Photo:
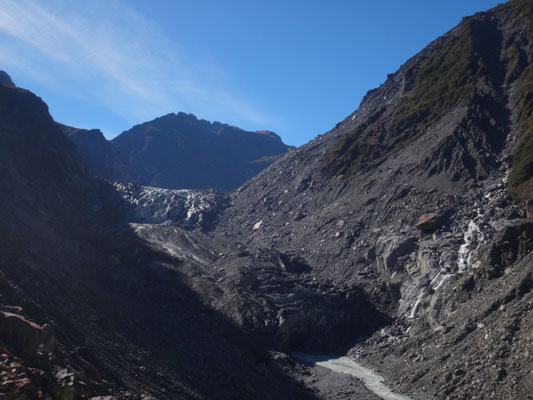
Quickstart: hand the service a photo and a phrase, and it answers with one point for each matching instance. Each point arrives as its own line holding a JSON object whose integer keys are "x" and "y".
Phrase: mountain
{"x": 401, "y": 239}
{"x": 179, "y": 151}
{"x": 422, "y": 196}
{"x": 67, "y": 253}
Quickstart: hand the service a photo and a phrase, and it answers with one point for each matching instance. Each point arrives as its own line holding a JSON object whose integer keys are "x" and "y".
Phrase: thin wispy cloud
{"x": 116, "y": 55}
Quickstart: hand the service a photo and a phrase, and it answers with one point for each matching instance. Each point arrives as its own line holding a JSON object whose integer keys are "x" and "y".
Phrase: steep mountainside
{"x": 179, "y": 151}
{"x": 408, "y": 198}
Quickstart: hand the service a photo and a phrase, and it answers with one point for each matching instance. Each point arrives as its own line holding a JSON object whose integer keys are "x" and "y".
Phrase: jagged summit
{"x": 171, "y": 120}
{"x": 182, "y": 117}
{"x": 181, "y": 151}
{"x": 178, "y": 151}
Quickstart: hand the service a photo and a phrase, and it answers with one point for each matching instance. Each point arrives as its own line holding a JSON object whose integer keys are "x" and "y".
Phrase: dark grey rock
{"x": 6, "y": 79}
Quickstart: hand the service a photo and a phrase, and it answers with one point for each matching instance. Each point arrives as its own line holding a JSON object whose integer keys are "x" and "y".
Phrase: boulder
{"x": 428, "y": 222}
{"x": 24, "y": 336}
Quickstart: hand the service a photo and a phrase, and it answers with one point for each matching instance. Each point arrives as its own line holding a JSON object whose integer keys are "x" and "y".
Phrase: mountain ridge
{"x": 179, "y": 151}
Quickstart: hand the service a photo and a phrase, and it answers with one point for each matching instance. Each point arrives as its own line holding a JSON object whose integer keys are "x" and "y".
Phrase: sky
{"x": 296, "y": 67}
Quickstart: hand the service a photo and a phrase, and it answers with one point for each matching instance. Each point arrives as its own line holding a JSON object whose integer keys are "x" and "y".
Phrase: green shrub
{"x": 521, "y": 175}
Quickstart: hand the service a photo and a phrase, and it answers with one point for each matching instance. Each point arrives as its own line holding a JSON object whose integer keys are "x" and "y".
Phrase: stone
{"x": 24, "y": 336}
{"x": 426, "y": 261}
{"x": 390, "y": 248}
{"x": 428, "y": 222}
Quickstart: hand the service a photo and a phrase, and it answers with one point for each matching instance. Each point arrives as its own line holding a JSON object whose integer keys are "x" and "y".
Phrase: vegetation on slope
{"x": 445, "y": 78}
{"x": 521, "y": 176}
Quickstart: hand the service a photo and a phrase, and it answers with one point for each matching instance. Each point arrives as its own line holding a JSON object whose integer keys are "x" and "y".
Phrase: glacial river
{"x": 344, "y": 365}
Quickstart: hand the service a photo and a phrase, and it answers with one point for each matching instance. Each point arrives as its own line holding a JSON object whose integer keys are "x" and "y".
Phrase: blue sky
{"x": 294, "y": 67}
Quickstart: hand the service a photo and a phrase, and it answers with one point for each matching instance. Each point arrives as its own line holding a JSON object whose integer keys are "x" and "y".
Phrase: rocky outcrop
{"x": 390, "y": 249}
{"x": 101, "y": 157}
{"x": 24, "y": 336}
{"x": 511, "y": 244}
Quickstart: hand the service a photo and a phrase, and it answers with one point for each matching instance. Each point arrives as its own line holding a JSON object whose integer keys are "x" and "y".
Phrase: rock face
{"x": 179, "y": 151}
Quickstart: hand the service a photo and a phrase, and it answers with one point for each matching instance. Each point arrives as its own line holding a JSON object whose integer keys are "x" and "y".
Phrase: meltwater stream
{"x": 345, "y": 365}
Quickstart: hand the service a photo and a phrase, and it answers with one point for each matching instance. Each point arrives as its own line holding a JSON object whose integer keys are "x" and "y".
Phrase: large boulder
{"x": 428, "y": 222}
{"x": 24, "y": 336}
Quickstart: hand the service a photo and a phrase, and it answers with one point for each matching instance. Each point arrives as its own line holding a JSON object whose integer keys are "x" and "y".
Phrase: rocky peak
{"x": 271, "y": 134}
{"x": 179, "y": 151}
{"x": 6, "y": 79}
